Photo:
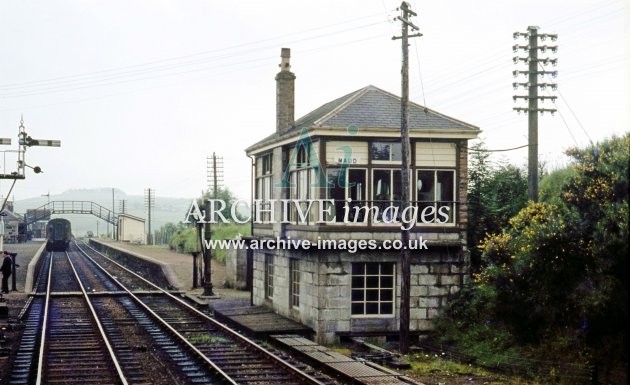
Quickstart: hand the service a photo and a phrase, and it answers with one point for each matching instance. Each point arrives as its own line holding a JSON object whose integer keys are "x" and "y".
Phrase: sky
{"x": 140, "y": 93}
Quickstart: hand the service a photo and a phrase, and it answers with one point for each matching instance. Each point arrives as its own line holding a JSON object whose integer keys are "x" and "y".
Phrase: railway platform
{"x": 27, "y": 255}
{"x": 178, "y": 269}
{"x": 13, "y": 302}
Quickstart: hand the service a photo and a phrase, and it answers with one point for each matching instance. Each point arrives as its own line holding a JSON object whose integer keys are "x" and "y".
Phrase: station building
{"x": 131, "y": 229}
{"x": 333, "y": 178}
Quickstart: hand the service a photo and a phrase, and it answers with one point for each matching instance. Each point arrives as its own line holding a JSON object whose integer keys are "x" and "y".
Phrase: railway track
{"x": 73, "y": 347}
{"x": 95, "y": 321}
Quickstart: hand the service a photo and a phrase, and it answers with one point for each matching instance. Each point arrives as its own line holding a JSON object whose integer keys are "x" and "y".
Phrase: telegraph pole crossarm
{"x": 532, "y": 98}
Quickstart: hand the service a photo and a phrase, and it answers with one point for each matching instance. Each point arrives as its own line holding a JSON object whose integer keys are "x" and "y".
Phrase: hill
{"x": 165, "y": 210}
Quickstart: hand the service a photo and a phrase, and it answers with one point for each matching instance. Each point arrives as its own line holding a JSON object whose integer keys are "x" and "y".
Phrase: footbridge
{"x": 71, "y": 207}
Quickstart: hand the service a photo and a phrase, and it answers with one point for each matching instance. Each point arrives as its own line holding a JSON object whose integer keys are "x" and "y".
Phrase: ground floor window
{"x": 268, "y": 275}
{"x": 372, "y": 288}
{"x": 294, "y": 288}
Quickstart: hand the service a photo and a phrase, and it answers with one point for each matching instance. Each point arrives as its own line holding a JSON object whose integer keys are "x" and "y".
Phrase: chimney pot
{"x": 285, "y": 63}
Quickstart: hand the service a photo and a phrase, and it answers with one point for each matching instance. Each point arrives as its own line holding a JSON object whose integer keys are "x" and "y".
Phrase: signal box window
{"x": 372, "y": 289}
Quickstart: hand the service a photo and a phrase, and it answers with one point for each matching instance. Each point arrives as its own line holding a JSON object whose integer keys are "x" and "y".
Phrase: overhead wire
{"x": 174, "y": 66}
{"x": 108, "y": 77}
{"x": 177, "y": 58}
{"x": 498, "y": 150}
{"x": 560, "y": 112}
{"x": 259, "y": 63}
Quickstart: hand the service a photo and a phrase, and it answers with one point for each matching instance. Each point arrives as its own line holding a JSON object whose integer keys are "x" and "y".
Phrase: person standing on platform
{"x": 7, "y": 269}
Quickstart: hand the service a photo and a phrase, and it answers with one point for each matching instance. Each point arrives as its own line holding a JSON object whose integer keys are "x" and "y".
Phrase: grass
{"x": 206, "y": 339}
{"x": 434, "y": 369}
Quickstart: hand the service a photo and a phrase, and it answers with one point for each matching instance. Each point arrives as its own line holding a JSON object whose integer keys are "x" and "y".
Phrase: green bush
{"x": 186, "y": 239}
{"x": 550, "y": 297}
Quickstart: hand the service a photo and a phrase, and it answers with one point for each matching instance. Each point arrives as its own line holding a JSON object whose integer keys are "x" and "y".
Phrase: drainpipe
{"x": 251, "y": 232}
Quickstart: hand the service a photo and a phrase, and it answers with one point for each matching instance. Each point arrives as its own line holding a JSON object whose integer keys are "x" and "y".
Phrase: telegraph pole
{"x": 532, "y": 97}
{"x": 215, "y": 178}
{"x": 405, "y": 282}
{"x": 122, "y": 206}
{"x": 214, "y": 169}
{"x": 149, "y": 201}
{"x": 113, "y": 211}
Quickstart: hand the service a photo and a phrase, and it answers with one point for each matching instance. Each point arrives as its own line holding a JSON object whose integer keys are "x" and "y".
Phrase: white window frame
{"x": 382, "y": 161}
{"x": 346, "y": 194}
{"x": 365, "y": 288}
{"x": 264, "y": 182}
{"x": 452, "y": 204}
{"x": 269, "y": 270}
{"x": 295, "y": 276}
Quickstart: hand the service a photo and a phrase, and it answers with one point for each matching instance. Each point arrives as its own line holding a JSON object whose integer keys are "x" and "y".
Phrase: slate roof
{"x": 10, "y": 215}
{"x": 370, "y": 107}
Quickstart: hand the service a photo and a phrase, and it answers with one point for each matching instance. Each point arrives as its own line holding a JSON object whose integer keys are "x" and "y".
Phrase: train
{"x": 59, "y": 234}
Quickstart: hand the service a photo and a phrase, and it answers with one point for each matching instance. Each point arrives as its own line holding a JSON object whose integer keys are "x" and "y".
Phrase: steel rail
{"x": 233, "y": 333}
{"x": 42, "y": 343}
{"x": 157, "y": 317}
{"x": 112, "y": 354}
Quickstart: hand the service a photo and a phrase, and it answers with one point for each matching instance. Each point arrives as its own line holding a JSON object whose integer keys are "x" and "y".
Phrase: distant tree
{"x": 164, "y": 234}
{"x": 223, "y": 195}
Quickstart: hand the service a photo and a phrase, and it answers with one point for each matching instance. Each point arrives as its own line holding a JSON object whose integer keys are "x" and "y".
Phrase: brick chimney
{"x": 285, "y": 94}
